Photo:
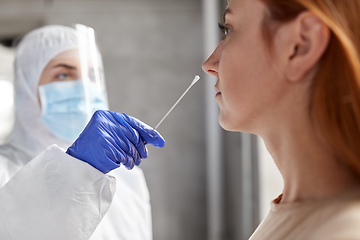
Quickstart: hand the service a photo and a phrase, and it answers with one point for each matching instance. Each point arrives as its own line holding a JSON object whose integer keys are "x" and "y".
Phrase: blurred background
{"x": 205, "y": 183}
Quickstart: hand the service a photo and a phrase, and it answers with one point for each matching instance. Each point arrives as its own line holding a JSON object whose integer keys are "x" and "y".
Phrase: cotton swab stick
{"x": 192, "y": 84}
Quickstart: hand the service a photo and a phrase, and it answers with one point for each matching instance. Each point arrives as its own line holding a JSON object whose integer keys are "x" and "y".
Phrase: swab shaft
{"x": 192, "y": 84}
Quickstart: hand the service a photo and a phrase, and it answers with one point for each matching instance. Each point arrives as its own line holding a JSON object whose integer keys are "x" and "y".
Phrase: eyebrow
{"x": 225, "y": 13}
{"x": 65, "y": 66}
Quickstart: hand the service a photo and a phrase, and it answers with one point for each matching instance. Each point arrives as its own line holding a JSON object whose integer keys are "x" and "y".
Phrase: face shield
{"x": 92, "y": 71}
{"x": 72, "y": 86}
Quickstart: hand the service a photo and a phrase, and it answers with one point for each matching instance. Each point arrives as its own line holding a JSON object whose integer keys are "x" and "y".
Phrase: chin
{"x": 225, "y": 124}
{"x": 233, "y": 125}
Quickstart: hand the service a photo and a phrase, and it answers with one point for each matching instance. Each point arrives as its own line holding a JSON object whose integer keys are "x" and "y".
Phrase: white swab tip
{"x": 195, "y": 79}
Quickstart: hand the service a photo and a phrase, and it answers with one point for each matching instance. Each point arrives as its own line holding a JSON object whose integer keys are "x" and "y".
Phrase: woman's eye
{"x": 62, "y": 76}
{"x": 224, "y": 30}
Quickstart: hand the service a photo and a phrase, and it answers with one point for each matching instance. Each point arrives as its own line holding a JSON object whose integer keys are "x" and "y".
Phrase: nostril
{"x": 210, "y": 68}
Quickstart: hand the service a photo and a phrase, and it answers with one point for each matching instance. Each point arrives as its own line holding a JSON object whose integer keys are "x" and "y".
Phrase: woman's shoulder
{"x": 342, "y": 223}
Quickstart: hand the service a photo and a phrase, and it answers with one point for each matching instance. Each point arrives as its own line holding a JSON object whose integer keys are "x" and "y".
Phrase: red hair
{"x": 335, "y": 105}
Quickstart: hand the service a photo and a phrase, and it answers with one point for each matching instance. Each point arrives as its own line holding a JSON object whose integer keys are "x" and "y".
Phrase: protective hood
{"x": 35, "y": 51}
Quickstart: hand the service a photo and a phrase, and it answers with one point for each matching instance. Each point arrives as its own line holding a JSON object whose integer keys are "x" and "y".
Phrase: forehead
{"x": 70, "y": 57}
{"x": 68, "y": 54}
{"x": 245, "y": 9}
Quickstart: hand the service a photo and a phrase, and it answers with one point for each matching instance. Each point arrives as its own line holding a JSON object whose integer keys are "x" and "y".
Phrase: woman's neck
{"x": 309, "y": 168}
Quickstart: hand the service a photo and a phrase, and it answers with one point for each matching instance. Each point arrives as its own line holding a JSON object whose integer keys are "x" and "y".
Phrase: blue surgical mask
{"x": 65, "y": 112}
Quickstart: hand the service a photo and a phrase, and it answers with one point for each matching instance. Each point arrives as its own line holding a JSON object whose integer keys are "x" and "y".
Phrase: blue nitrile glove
{"x": 111, "y": 139}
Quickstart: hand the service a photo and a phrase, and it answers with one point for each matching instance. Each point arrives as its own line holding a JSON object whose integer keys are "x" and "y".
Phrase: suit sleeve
{"x": 54, "y": 196}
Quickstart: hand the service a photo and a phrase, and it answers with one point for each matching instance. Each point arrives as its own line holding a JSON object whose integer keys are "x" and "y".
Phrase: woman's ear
{"x": 307, "y": 42}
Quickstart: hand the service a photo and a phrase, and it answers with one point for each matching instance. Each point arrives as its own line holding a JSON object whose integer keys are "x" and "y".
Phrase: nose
{"x": 211, "y": 65}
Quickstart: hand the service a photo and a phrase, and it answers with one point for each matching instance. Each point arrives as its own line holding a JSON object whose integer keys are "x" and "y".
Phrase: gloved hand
{"x": 111, "y": 139}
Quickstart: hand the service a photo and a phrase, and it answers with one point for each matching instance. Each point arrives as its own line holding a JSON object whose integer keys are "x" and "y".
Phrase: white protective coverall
{"x": 47, "y": 194}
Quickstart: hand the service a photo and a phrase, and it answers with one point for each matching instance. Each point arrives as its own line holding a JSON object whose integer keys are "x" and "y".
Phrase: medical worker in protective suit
{"x": 63, "y": 191}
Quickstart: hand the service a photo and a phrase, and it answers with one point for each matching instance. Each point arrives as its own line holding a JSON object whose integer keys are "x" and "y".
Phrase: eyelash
{"x": 224, "y": 29}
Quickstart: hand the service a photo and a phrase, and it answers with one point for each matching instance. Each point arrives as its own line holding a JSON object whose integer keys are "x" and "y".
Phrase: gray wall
{"x": 151, "y": 52}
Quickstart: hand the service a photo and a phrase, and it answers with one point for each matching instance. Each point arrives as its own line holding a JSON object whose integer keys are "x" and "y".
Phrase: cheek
{"x": 242, "y": 59}
{"x": 241, "y": 71}
{"x": 245, "y": 80}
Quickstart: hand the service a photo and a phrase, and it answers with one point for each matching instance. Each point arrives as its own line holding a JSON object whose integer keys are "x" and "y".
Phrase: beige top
{"x": 333, "y": 219}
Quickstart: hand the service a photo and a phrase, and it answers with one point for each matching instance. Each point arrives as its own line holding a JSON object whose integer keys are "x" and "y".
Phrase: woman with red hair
{"x": 289, "y": 71}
